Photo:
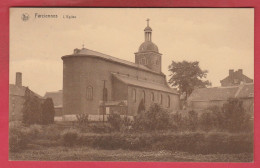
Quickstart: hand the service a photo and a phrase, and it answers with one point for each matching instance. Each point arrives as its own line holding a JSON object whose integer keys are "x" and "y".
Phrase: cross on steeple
{"x": 148, "y": 21}
{"x": 83, "y": 46}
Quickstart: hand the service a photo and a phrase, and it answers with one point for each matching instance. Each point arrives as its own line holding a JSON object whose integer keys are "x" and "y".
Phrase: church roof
{"x": 129, "y": 80}
{"x": 222, "y": 93}
{"x": 148, "y": 46}
{"x": 88, "y": 52}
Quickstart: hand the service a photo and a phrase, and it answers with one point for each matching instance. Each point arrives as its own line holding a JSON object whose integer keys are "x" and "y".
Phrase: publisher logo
{"x": 25, "y": 17}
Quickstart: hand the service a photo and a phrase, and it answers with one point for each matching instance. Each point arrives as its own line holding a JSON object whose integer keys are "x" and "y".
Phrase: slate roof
{"x": 222, "y": 93}
{"x": 88, "y": 52}
{"x": 19, "y": 90}
{"x": 56, "y": 98}
{"x": 129, "y": 80}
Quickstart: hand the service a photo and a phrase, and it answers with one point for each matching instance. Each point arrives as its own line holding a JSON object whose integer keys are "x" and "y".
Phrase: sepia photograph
{"x": 131, "y": 84}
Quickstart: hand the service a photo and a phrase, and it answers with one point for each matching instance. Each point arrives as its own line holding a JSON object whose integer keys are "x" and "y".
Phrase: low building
{"x": 17, "y": 94}
{"x": 235, "y": 78}
{"x": 204, "y": 98}
{"x": 56, "y": 97}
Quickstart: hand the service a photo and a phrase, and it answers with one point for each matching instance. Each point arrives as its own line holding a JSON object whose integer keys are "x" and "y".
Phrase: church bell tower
{"x": 148, "y": 53}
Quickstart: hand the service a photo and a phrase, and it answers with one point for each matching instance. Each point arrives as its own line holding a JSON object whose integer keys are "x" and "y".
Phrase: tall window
{"x": 89, "y": 93}
{"x": 152, "y": 96}
{"x": 169, "y": 101}
{"x": 143, "y": 95}
{"x": 134, "y": 95}
{"x": 160, "y": 98}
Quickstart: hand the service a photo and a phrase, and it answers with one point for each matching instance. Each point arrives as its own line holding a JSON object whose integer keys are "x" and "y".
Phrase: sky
{"x": 219, "y": 38}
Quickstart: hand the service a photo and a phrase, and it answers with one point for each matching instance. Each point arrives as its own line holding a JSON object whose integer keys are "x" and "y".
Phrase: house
{"x": 92, "y": 80}
{"x": 204, "y": 98}
{"x": 235, "y": 78}
{"x": 17, "y": 94}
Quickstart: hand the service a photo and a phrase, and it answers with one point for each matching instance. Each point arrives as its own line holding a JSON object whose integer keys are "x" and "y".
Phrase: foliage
{"x": 70, "y": 136}
{"x": 193, "y": 142}
{"x": 186, "y": 76}
{"x": 235, "y": 118}
{"x": 48, "y": 111}
{"x": 115, "y": 121}
{"x": 32, "y": 113}
{"x": 20, "y": 136}
{"x": 156, "y": 118}
{"x": 82, "y": 119}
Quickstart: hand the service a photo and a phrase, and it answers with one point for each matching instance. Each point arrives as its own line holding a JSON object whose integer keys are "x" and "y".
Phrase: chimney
{"x": 18, "y": 80}
{"x": 240, "y": 71}
{"x": 231, "y": 71}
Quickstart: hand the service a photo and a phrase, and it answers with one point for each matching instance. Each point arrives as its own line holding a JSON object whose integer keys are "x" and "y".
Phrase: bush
{"x": 32, "y": 111}
{"x": 156, "y": 118}
{"x": 115, "y": 121}
{"x": 235, "y": 117}
{"x": 193, "y": 142}
{"x": 48, "y": 111}
{"x": 82, "y": 119}
{"x": 70, "y": 136}
{"x": 18, "y": 137}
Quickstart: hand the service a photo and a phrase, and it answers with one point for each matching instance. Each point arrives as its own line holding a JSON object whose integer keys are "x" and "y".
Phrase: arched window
{"x": 143, "y": 95}
{"x": 134, "y": 95}
{"x": 89, "y": 93}
{"x": 169, "y": 101}
{"x": 160, "y": 98}
{"x": 152, "y": 96}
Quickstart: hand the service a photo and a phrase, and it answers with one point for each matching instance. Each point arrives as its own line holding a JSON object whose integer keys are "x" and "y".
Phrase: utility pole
{"x": 104, "y": 99}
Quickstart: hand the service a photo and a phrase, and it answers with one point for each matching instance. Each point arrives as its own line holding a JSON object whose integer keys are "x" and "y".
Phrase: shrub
{"x": 18, "y": 137}
{"x": 193, "y": 142}
{"x": 32, "y": 111}
{"x": 99, "y": 127}
{"x": 48, "y": 111}
{"x": 82, "y": 119}
{"x": 235, "y": 117}
{"x": 115, "y": 121}
{"x": 156, "y": 118}
{"x": 70, "y": 136}
{"x": 35, "y": 130}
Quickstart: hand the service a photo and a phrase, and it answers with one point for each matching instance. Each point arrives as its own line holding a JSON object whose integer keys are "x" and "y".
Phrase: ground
{"x": 80, "y": 153}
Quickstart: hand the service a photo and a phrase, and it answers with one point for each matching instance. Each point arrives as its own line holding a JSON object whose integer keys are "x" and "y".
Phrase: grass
{"x": 79, "y": 153}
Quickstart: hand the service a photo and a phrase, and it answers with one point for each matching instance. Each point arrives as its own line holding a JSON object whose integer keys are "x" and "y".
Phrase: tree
{"x": 235, "y": 117}
{"x": 31, "y": 109}
{"x": 48, "y": 111}
{"x": 186, "y": 76}
{"x": 156, "y": 118}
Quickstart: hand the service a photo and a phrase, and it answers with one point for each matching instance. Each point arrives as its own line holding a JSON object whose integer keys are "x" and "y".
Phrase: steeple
{"x": 148, "y": 53}
{"x": 148, "y": 32}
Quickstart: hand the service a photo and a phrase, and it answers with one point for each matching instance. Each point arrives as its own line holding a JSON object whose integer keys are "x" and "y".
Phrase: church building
{"x": 98, "y": 84}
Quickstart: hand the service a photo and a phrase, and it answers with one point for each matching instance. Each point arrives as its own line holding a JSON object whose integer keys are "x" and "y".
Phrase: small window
{"x": 152, "y": 96}
{"x": 89, "y": 93}
{"x": 134, "y": 95}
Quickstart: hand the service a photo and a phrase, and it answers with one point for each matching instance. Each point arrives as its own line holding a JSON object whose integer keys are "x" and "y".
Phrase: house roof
{"x": 237, "y": 75}
{"x": 15, "y": 90}
{"x": 90, "y": 53}
{"x": 222, "y": 93}
{"x": 129, "y": 80}
{"x": 56, "y": 97}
